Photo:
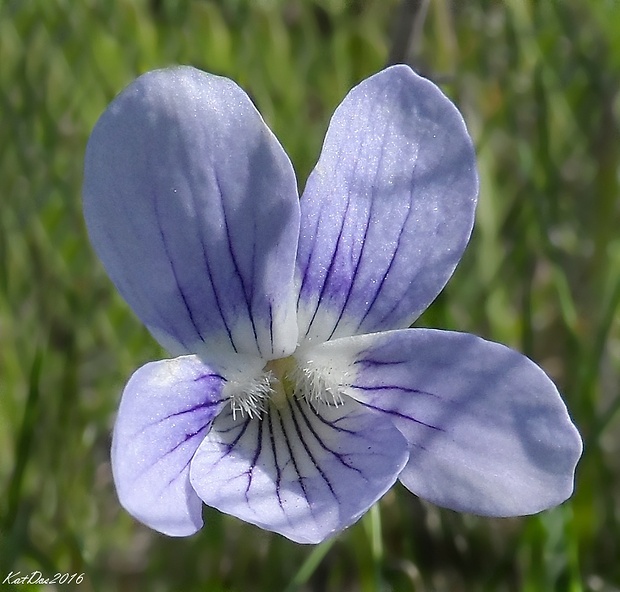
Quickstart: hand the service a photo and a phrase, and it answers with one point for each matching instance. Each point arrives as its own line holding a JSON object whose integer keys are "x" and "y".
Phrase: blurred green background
{"x": 538, "y": 84}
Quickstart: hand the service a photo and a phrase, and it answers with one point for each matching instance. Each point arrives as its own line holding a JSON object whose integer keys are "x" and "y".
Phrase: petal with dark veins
{"x": 166, "y": 411}
{"x": 305, "y": 473}
{"x": 388, "y": 210}
{"x": 487, "y": 429}
{"x": 191, "y": 204}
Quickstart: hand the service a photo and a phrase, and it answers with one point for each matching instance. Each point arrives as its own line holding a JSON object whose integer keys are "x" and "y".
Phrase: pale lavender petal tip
{"x": 166, "y": 411}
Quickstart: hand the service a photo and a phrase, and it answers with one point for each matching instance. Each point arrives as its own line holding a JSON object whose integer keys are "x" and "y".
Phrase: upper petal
{"x": 488, "y": 431}
{"x": 166, "y": 411}
{"x": 388, "y": 210}
{"x": 302, "y": 472}
{"x": 191, "y": 204}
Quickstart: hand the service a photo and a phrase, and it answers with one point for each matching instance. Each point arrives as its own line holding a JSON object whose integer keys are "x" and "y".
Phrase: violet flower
{"x": 298, "y": 395}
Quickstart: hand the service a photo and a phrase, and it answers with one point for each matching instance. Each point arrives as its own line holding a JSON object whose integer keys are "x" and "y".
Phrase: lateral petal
{"x": 487, "y": 429}
{"x": 388, "y": 210}
{"x": 191, "y": 204}
{"x": 304, "y": 473}
{"x": 166, "y": 411}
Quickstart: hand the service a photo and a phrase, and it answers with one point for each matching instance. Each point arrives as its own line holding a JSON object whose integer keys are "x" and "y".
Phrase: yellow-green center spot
{"x": 282, "y": 370}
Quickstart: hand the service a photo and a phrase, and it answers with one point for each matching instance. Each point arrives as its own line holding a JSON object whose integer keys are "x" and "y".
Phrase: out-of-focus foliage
{"x": 539, "y": 85}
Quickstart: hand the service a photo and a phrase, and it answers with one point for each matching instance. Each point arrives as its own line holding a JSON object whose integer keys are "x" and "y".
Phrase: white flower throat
{"x": 317, "y": 383}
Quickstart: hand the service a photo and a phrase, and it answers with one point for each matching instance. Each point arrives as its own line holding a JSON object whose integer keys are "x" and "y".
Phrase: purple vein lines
{"x": 400, "y": 415}
{"x": 158, "y": 218}
{"x": 247, "y": 295}
{"x": 257, "y": 453}
{"x": 360, "y": 259}
{"x": 205, "y": 259}
{"x": 300, "y": 477}
{"x": 274, "y": 452}
{"x": 329, "y": 269}
{"x": 393, "y": 387}
{"x": 340, "y": 457}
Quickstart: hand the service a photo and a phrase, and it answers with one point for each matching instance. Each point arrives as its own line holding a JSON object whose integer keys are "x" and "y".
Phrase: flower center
{"x": 281, "y": 379}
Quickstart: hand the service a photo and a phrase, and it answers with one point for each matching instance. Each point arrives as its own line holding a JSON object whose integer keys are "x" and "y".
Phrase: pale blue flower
{"x": 299, "y": 396}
